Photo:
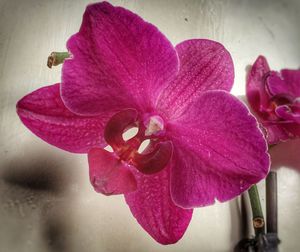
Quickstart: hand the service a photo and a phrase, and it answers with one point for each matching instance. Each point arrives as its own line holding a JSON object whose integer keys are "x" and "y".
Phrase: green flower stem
{"x": 57, "y": 58}
{"x": 257, "y": 214}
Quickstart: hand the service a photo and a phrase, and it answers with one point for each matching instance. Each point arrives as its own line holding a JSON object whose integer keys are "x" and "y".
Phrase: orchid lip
{"x": 152, "y": 127}
{"x": 118, "y": 123}
{"x": 154, "y": 161}
{"x": 98, "y": 183}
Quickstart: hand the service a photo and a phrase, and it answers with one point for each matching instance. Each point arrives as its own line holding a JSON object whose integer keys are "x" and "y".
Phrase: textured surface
{"x": 47, "y": 203}
{"x": 44, "y": 113}
{"x": 287, "y": 82}
{"x": 215, "y": 155}
{"x": 153, "y": 208}
{"x": 204, "y": 65}
{"x": 120, "y": 56}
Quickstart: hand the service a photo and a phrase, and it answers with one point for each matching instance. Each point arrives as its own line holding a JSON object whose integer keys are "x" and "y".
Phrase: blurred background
{"x": 46, "y": 201}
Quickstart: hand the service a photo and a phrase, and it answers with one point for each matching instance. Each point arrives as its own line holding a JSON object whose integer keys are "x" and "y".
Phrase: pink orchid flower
{"x": 275, "y": 97}
{"x": 123, "y": 73}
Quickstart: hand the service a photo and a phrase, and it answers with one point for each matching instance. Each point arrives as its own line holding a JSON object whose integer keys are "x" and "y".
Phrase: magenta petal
{"x": 44, "y": 113}
{"x": 219, "y": 151}
{"x": 118, "y": 61}
{"x": 292, "y": 80}
{"x": 154, "y": 209}
{"x": 255, "y": 87}
{"x": 276, "y": 85}
{"x": 293, "y": 129}
{"x": 289, "y": 113}
{"x": 281, "y": 131}
{"x": 204, "y": 65}
{"x": 108, "y": 174}
{"x": 276, "y": 132}
{"x": 286, "y": 83}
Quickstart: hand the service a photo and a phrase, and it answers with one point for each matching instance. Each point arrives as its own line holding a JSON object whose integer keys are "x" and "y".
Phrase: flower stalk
{"x": 56, "y": 58}
{"x": 257, "y": 214}
{"x": 271, "y": 198}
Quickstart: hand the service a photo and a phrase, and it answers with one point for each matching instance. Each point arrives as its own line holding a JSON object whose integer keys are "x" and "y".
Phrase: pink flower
{"x": 205, "y": 145}
{"x": 275, "y": 97}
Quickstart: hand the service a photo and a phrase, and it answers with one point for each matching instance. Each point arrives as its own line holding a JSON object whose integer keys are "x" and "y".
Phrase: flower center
{"x": 283, "y": 105}
{"x": 297, "y": 100}
{"x": 157, "y": 154}
{"x": 154, "y": 126}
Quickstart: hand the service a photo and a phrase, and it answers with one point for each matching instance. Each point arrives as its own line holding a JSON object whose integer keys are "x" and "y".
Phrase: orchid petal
{"x": 152, "y": 206}
{"x": 289, "y": 113}
{"x": 277, "y": 132}
{"x": 219, "y": 151}
{"x": 204, "y": 65}
{"x": 292, "y": 78}
{"x": 292, "y": 81}
{"x": 118, "y": 61}
{"x": 255, "y": 88}
{"x": 44, "y": 113}
{"x": 108, "y": 174}
{"x": 293, "y": 130}
{"x": 286, "y": 83}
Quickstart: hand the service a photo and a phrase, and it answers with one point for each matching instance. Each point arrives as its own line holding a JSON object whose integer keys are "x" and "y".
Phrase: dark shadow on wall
{"x": 33, "y": 191}
{"x": 56, "y": 226}
{"x": 42, "y": 175}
